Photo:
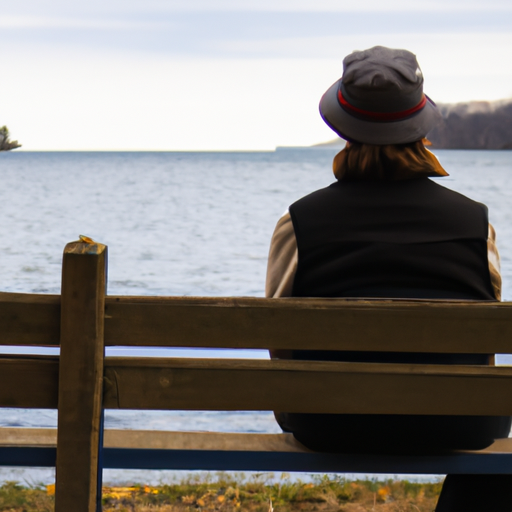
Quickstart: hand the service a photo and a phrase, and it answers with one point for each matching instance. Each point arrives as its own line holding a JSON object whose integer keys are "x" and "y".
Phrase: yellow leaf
{"x": 50, "y": 489}
{"x": 384, "y": 491}
{"x": 86, "y": 239}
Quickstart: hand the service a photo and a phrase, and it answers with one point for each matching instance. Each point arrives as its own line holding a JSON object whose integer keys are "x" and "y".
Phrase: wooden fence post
{"x": 78, "y": 478}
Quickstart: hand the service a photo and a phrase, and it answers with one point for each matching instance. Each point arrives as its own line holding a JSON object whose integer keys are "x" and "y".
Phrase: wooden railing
{"x": 81, "y": 382}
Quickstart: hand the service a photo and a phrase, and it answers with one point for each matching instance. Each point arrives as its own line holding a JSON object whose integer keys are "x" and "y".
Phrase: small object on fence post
{"x": 78, "y": 487}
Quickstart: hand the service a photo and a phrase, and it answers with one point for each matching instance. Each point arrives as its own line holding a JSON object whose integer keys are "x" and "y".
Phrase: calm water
{"x": 182, "y": 224}
{"x": 186, "y": 223}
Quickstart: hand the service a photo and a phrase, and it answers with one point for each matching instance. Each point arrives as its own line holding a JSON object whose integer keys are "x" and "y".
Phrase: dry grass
{"x": 229, "y": 493}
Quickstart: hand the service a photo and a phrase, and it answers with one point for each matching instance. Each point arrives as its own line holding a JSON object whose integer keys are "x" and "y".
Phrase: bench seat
{"x": 153, "y": 449}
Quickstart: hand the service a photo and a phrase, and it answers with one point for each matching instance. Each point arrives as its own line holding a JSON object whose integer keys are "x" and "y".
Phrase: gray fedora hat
{"x": 379, "y": 99}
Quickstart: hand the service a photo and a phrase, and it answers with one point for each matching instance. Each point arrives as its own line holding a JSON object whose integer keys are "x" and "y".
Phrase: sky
{"x": 224, "y": 74}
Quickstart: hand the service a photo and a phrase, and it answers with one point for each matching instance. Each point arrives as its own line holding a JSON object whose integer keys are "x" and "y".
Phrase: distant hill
{"x": 471, "y": 125}
{"x": 474, "y": 125}
{"x": 331, "y": 144}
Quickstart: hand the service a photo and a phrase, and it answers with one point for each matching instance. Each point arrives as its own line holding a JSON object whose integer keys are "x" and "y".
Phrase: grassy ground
{"x": 234, "y": 494}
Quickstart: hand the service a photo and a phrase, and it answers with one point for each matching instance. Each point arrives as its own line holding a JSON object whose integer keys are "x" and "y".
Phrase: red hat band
{"x": 379, "y": 116}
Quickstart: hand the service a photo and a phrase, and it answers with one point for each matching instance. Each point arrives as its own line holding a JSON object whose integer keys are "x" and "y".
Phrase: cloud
{"x": 335, "y": 5}
{"x": 105, "y": 7}
{"x": 236, "y": 34}
{"x": 471, "y": 53}
{"x": 17, "y": 22}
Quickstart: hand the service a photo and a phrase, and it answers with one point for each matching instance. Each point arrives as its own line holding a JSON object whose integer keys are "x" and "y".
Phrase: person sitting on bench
{"x": 384, "y": 229}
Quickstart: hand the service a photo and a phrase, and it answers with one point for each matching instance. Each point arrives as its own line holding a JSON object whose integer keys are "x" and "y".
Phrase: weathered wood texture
{"x": 29, "y": 319}
{"x": 169, "y": 440}
{"x": 22, "y": 436}
{"x": 326, "y": 324}
{"x": 330, "y": 324}
{"x": 147, "y": 383}
{"x": 306, "y": 386}
{"x": 80, "y": 376}
{"x": 29, "y": 381}
{"x": 258, "y": 452}
{"x": 162, "y": 440}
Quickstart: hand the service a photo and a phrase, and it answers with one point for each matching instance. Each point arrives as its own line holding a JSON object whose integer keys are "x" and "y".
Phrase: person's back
{"x": 386, "y": 230}
{"x": 407, "y": 238}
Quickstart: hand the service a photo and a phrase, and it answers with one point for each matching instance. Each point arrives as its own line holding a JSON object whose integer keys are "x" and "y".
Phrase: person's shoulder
{"x": 317, "y": 195}
{"x": 438, "y": 188}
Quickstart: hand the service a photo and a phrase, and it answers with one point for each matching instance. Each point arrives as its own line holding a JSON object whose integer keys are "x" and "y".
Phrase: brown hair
{"x": 367, "y": 162}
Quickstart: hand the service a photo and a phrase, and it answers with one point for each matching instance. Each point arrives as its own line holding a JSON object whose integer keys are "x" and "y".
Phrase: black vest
{"x": 409, "y": 239}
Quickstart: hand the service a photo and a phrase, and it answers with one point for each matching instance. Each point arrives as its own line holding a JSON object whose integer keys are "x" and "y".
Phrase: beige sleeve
{"x": 493, "y": 257}
{"x": 282, "y": 259}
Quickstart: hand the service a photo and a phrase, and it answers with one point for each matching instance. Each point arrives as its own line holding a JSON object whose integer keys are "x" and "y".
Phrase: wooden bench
{"x": 81, "y": 382}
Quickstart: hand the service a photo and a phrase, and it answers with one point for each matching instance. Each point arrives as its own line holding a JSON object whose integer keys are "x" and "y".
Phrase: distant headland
{"x": 470, "y": 125}
{"x": 474, "y": 125}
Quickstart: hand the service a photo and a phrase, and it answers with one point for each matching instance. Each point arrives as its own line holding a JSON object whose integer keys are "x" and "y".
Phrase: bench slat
{"x": 184, "y": 440}
{"x": 29, "y": 382}
{"x": 29, "y": 319}
{"x": 188, "y": 384}
{"x": 325, "y": 324}
{"x": 300, "y": 386}
{"x": 257, "y": 452}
